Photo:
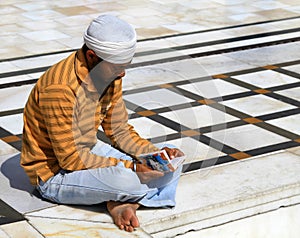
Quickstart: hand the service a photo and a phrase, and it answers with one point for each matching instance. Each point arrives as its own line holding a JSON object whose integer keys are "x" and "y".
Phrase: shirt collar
{"x": 82, "y": 71}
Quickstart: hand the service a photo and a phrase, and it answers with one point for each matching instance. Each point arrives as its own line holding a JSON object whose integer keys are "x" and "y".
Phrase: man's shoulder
{"x": 61, "y": 74}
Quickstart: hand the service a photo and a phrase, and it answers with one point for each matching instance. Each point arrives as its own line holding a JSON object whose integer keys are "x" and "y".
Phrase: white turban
{"x": 111, "y": 38}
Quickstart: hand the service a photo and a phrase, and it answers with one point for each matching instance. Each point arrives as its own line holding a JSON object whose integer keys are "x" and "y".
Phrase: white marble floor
{"x": 219, "y": 79}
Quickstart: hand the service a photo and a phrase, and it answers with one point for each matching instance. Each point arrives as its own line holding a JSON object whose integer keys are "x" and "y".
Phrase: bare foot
{"x": 124, "y": 215}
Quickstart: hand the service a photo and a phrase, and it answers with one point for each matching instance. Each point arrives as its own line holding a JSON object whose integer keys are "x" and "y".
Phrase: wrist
{"x": 133, "y": 165}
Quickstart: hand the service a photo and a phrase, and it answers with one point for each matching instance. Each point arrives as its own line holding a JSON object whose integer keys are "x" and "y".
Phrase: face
{"x": 103, "y": 73}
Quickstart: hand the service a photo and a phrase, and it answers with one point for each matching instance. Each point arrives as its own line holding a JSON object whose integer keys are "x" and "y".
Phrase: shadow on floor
{"x": 16, "y": 175}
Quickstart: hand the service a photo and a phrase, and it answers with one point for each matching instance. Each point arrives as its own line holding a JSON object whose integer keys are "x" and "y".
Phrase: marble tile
{"x": 213, "y": 19}
{"x": 9, "y": 10}
{"x": 220, "y": 64}
{"x": 213, "y": 88}
{"x": 293, "y": 68}
{"x": 274, "y": 13}
{"x": 39, "y": 25}
{"x": 16, "y": 189}
{"x": 289, "y": 36}
{"x": 268, "y": 6}
{"x": 152, "y": 57}
{"x": 195, "y": 150}
{"x": 266, "y": 79}
{"x": 295, "y": 150}
{"x": 35, "y": 75}
{"x": 73, "y": 31}
{"x": 203, "y": 66}
{"x": 290, "y": 123}
{"x": 156, "y": 99}
{"x": 174, "y": 8}
{"x": 42, "y": 15}
{"x": 69, "y": 3}
{"x": 41, "y": 61}
{"x": 152, "y": 22}
{"x": 3, "y": 234}
{"x": 249, "y": 42}
{"x": 200, "y": 116}
{"x": 291, "y": 93}
{"x": 34, "y": 6}
{"x": 247, "y": 137}
{"x": 252, "y": 29}
{"x": 12, "y": 29}
{"x": 148, "y": 128}
{"x": 106, "y": 7}
{"x": 247, "y": 17}
{"x": 249, "y": 106}
{"x": 242, "y": 195}
{"x": 149, "y": 76}
{"x": 75, "y": 10}
{"x": 268, "y": 55}
{"x": 156, "y": 44}
{"x": 278, "y": 223}
{"x": 70, "y": 43}
{"x": 8, "y": 40}
{"x": 14, "y": 98}
{"x": 7, "y": 67}
{"x": 7, "y": 52}
{"x": 290, "y": 2}
{"x": 9, "y": 18}
{"x": 295, "y": 9}
{"x": 141, "y": 12}
{"x": 195, "y": 4}
{"x": 153, "y": 31}
{"x": 12, "y": 123}
{"x": 170, "y": 53}
{"x": 129, "y": 112}
{"x": 44, "y": 35}
{"x": 6, "y": 149}
{"x": 96, "y": 213}
{"x": 238, "y": 8}
{"x": 184, "y": 27}
{"x": 229, "y": 2}
{"x": 173, "y": 16}
{"x": 76, "y": 228}
{"x": 13, "y": 79}
{"x": 285, "y": 24}
{"x": 20, "y": 230}
{"x": 75, "y": 20}
{"x": 199, "y": 37}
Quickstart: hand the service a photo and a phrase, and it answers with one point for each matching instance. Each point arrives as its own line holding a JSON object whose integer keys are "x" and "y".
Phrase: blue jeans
{"x": 115, "y": 183}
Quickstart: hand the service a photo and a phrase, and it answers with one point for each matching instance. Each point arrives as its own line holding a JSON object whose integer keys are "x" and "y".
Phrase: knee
{"x": 121, "y": 180}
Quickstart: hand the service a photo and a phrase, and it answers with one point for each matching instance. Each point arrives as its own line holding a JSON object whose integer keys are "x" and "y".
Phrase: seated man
{"x": 60, "y": 150}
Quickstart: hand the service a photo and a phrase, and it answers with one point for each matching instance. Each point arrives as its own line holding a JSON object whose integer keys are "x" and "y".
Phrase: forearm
{"x": 127, "y": 139}
{"x": 85, "y": 160}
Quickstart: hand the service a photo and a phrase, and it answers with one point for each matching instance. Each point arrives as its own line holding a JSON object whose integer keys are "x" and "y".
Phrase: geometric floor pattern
{"x": 222, "y": 118}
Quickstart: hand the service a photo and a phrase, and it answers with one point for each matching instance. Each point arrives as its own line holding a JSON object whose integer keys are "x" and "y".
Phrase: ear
{"x": 91, "y": 56}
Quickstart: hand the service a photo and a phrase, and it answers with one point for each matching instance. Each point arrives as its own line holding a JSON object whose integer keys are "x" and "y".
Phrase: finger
{"x": 173, "y": 153}
{"x": 177, "y": 153}
{"x": 169, "y": 152}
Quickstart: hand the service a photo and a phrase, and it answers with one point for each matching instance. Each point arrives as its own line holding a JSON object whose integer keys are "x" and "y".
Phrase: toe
{"x": 129, "y": 228}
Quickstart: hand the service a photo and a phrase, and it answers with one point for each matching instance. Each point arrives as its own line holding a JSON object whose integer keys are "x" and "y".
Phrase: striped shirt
{"x": 62, "y": 117}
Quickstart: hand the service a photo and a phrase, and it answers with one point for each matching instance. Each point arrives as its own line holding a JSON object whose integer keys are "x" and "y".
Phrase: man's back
{"x": 55, "y": 106}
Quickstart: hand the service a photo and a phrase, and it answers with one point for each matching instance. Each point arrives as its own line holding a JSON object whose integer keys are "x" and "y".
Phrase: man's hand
{"x": 146, "y": 174}
{"x": 173, "y": 153}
